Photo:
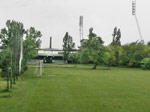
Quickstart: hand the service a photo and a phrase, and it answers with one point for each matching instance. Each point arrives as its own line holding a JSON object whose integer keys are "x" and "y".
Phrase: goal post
{"x": 38, "y": 65}
{"x": 41, "y": 67}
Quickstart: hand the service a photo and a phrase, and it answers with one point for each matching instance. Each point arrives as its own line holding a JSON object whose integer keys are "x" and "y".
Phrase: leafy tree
{"x": 92, "y": 50}
{"x": 73, "y": 57}
{"x": 145, "y": 63}
{"x": 68, "y": 45}
{"x": 115, "y": 46}
{"x": 30, "y": 45}
{"x": 11, "y": 39}
{"x": 4, "y": 61}
{"x": 148, "y": 43}
{"x": 133, "y": 53}
{"x": 116, "y": 36}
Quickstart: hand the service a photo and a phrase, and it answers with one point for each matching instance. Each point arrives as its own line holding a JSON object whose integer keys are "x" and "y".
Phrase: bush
{"x": 145, "y": 64}
{"x": 132, "y": 54}
{"x": 73, "y": 58}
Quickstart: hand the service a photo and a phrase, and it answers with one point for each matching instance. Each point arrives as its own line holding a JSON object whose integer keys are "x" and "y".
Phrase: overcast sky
{"x": 55, "y": 17}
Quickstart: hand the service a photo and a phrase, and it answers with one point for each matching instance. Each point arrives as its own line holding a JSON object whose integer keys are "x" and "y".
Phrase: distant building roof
{"x": 50, "y": 49}
{"x": 53, "y": 49}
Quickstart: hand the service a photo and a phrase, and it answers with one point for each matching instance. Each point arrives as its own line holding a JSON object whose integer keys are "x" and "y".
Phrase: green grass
{"x": 78, "y": 88}
{"x": 2, "y": 86}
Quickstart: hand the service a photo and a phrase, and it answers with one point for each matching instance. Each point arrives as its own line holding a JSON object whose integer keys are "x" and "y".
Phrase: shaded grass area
{"x": 3, "y": 92}
{"x": 78, "y": 88}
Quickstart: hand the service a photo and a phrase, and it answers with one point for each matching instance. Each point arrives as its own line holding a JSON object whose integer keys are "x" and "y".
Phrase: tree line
{"x": 93, "y": 50}
{"x": 18, "y": 45}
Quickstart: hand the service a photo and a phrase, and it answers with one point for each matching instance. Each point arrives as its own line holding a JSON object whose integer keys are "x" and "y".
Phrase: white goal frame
{"x": 38, "y": 65}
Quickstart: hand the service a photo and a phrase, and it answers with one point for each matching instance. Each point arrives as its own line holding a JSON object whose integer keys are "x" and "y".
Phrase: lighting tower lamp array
{"x": 134, "y": 14}
{"x": 81, "y": 28}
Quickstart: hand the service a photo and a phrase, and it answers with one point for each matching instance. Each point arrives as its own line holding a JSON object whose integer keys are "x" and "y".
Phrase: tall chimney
{"x": 50, "y": 43}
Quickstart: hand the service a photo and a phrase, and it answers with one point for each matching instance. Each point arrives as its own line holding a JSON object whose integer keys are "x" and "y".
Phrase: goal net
{"x": 38, "y": 65}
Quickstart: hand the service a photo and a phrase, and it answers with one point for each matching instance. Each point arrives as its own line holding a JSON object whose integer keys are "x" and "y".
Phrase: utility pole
{"x": 50, "y": 42}
{"x": 137, "y": 22}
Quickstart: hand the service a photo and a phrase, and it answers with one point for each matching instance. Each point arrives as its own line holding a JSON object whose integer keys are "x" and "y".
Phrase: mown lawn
{"x": 78, "y": 88}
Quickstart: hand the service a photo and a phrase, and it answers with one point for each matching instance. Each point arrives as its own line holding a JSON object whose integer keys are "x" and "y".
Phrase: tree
{"x": 92, "y": 50}
{"x": 14, "y": 47}
{"x": 116, "y": 36}
{"x": 73, "y": 57}
{"x": 145, "y": 64}
{"x": 4, "y": 61}
{"x": 115, "y": 46}
{"x": 30, "y": 45}
{"x": 11, "y": 37}
{"x": 148, "y": 43}
{"x": 133, "y": 53}
{"x": 68, "y": 45}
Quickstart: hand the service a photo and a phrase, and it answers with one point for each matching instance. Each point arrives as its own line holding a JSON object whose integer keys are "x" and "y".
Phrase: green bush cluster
{"x": 145, "y": 63}
{"x": 132, "y": 54}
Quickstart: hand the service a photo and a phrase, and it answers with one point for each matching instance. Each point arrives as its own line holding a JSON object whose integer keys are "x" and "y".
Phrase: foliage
{"x": 73, "y": 58}
{"x": 92, "y": 50}
{"x": 115, "y": 47}
{"x": 116, "y": 36}
{"x": 5, "y": 60}
{"x": 107, "y": 58}
{"x": 11, "y": 38}
{"x": 30, "y": 45}
{"x": 84, "y": 56}
{"x": 132, "y": 54}
{"x": 145, "y": 63}
{"x": 68, "y": 45}
{"x": 148, "y": 43}
{"x": 114, "y": 54}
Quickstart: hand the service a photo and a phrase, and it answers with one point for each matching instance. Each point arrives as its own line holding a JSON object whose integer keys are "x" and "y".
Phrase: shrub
{"x": 145, "y": 64}
{"x": 73, "y": 58}
{"x": 132, "y": 54}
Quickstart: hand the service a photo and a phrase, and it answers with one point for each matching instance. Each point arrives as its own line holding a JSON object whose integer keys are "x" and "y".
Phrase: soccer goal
{"x": 38, "y": 65}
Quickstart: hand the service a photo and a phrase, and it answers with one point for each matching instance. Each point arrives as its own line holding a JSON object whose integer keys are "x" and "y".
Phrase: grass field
{"x": 78, "y": 88}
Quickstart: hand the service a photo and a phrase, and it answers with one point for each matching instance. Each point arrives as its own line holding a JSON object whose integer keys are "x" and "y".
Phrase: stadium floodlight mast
{"x": 134, "y": 14}
{"x": 81, "y": 28}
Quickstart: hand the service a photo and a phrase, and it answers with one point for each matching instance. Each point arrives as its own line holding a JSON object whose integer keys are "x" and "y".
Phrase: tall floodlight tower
{"x": 81, "y": 27}
{"x": 134, "y": 14}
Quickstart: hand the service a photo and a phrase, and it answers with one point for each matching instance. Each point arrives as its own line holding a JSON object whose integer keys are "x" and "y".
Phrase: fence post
{"x": 8, "y": 80}
{"x": 41, "y": 65}
{"x": 10, "y": 77}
